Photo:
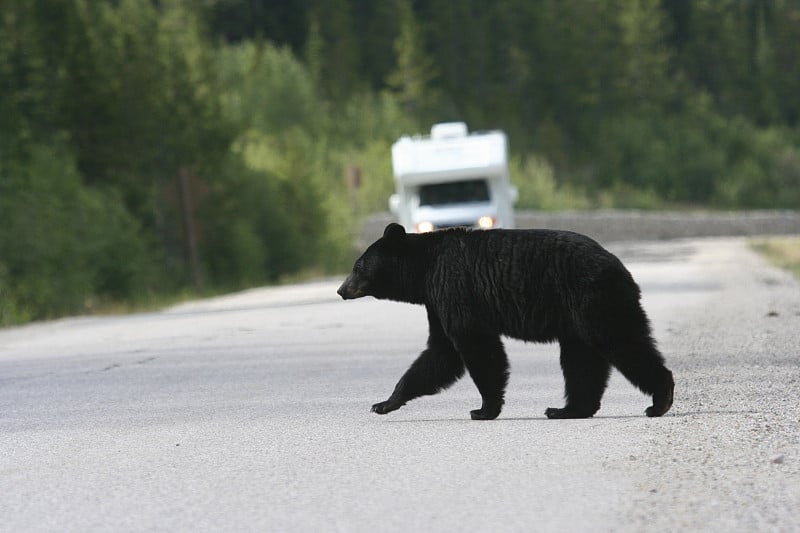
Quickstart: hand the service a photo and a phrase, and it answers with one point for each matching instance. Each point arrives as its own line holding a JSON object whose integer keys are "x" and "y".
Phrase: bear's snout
{"x": 341, "y": 291}
{"x": 347, "y": 291}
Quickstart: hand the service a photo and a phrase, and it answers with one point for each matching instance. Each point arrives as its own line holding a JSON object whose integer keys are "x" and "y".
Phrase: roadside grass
{"x": 783, "y": 252}
{"x": 158, "y": 302}
{"x": 144, "y": 304}
{"x": 13, "y": 315}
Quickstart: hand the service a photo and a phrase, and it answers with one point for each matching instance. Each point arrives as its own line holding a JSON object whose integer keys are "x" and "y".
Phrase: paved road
{"x": 251, "y": 413}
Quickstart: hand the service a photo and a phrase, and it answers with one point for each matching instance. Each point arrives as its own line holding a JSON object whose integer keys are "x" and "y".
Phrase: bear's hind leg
{"x": 642, "y": 364}
{"x": 586, "y": 374}
{"x": 487, "y": 364}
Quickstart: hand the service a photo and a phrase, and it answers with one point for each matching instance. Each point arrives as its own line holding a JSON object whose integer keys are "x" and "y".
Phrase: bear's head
{"x": 383, "y": 270}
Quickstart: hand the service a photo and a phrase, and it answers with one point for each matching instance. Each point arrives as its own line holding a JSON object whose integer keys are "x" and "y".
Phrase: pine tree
{"x": 414, "y": 70}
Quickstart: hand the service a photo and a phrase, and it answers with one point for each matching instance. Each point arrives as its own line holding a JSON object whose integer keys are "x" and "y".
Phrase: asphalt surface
{"x": 251, "y": 413}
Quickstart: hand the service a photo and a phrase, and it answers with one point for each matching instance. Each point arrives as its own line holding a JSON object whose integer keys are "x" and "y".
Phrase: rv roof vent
{"x": 449, "y": 130}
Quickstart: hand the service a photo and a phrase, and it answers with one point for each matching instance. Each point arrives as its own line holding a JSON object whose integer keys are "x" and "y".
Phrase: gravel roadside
{"x": 728, "y": 457}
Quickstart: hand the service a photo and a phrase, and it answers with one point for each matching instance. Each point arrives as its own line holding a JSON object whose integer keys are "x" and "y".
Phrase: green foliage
{"x": 763, "y": 169}
{"x": 333, "y": 48}
{"x": 411, "y": 79}
{"x": 535, "y": 178}
{"x": 268, "y": 198}
{"x": 284, "y": 178}
{"x": 267, "y": 88}
{"x": 700, "y": 157}
{"x": 106, "y": 102}
{"x": 63, "y": 245}
{"x": 250, "y": 231}
{"x": 263, "y": 107}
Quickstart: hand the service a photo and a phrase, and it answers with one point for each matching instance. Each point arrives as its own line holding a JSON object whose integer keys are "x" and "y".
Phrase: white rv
{"x": 452, "y": 178}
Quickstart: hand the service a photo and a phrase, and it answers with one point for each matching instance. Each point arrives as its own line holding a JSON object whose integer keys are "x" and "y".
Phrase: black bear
{"x": 534, "y": 285}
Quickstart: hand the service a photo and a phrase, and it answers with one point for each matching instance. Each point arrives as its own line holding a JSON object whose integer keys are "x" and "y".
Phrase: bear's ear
{"x": 394, "y": 232}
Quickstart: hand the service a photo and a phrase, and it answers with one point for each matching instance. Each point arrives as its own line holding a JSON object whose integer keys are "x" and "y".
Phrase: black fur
{"x": 534, "y": 285}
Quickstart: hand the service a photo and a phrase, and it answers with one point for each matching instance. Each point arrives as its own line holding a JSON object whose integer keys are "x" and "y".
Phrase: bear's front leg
{"x": 436, "y": 368}
{"x": 487, "y": 363}
{"x": 433, "y": 371}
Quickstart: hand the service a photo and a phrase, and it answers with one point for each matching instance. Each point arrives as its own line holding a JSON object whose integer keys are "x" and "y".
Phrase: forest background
{"x": 149, "y": 148}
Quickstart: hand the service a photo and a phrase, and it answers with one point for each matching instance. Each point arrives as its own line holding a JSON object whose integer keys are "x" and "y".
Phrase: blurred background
{"x": 153, "y": 149}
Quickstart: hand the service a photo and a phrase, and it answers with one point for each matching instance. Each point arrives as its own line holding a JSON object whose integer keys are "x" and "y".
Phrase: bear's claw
{"x": 555, "y": 413}
{"x": 388, "y": 406}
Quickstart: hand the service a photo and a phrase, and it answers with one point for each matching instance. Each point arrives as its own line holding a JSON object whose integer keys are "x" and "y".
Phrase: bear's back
{"x": 516, "y": 256}
{"x": 527, "y": 284}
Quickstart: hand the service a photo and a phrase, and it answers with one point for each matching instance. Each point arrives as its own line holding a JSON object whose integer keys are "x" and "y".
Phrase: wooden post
{"x": 190, "y": 231}
{"x": 353, "y": 181}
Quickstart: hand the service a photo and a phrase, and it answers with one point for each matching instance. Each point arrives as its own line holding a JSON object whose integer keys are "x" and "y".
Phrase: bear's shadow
{"x": 545, "y": 419}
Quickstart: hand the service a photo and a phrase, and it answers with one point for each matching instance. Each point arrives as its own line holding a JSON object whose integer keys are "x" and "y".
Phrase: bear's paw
{"x": 388, "y": 406}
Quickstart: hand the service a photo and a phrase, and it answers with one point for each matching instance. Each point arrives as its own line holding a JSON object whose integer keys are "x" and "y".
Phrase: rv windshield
{"x": 454, "y": 192}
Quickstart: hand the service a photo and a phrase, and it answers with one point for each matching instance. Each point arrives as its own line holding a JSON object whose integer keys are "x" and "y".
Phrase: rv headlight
{"x": 424, "y": 227}
{"x": 487, "y": 222}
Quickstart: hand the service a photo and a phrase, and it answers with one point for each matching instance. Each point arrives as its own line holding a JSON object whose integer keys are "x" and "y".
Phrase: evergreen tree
{"x": 414, "y": 71}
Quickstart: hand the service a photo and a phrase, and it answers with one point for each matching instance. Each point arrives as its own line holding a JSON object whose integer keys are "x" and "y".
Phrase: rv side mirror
{"x": 394, "y": 203}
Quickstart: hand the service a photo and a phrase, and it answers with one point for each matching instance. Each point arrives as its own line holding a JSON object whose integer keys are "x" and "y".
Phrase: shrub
{"x": 64, "y": 245}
